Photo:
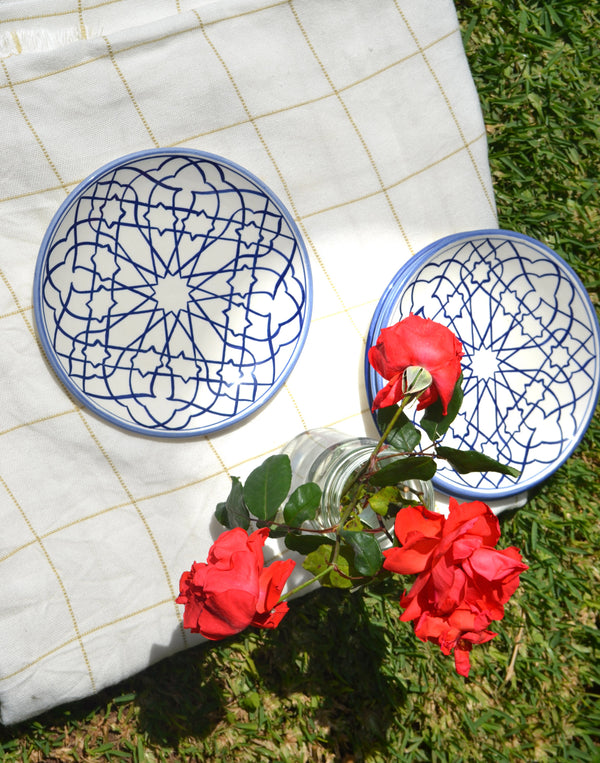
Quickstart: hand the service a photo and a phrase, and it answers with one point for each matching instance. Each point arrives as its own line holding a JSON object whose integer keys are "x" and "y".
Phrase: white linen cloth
{"x": 362, "y": 116}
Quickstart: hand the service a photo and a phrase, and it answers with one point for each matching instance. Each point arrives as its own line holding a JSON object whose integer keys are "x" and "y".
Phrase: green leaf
{"x": 404, "y": 436}
{"x": 233, "y": 512}
{"x": 434, "y": 422}
{"x": 465, "y": 461}
{"x": 267, "y": 486}
{"x": 302, "y": 504}
{"x": 380, "y": 501}
{"x": 411, "y": 467}
{"x": 318, "y": 560}
{"x": 305, "y": 544}
{"x": 367, "y": 553}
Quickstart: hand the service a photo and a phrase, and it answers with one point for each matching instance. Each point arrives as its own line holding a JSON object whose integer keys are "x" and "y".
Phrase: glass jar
{"x": 330, "y": 458}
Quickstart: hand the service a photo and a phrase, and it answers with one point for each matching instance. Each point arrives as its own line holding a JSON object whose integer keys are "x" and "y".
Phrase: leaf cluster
{"x": 405, "y": 437}
{"x": 339, "y": 555}
{"x": 349, "y": 552}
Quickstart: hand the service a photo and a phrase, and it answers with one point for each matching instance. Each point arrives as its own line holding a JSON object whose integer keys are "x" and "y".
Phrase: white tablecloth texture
{"x": 362, "y": 116}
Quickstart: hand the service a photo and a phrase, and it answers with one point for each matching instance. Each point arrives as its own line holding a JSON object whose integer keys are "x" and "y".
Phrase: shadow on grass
{"x": 332, "y": 652}
{"x": 323, "y": 671}
{"x": 324, "y": 665}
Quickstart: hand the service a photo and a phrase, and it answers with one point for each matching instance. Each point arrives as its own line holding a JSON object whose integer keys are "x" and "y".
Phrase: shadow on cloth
{"x": 327, "y": 661}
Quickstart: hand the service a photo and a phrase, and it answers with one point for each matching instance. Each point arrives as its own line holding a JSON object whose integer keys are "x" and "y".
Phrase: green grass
{"x": 341, "y": 679}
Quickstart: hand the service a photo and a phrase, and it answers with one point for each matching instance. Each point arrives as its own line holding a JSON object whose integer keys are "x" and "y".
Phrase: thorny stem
{"x": 353, "y": 487}
{"x": 306, "y": 583}
{"x": 405, "y": 401}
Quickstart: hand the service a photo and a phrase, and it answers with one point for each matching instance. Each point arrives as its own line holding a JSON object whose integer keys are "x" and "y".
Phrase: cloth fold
{"x": 362, "y": 117}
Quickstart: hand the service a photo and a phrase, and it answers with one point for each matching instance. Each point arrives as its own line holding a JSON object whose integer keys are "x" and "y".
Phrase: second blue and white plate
{"x": 532, "y": 347}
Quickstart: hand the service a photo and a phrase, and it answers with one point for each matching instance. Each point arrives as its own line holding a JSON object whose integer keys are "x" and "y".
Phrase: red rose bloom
{"x": 463, "y": 582}
{"x": 419, "y": 342}
{"x": 233, "y": 589}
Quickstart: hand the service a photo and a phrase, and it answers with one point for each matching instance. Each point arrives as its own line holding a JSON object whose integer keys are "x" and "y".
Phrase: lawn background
{"x": 341, "y": 679}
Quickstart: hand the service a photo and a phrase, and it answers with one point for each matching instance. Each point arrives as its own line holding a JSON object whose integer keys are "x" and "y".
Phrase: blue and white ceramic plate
{"x": 532, "y": 348}
{"x": 172, "y": 292}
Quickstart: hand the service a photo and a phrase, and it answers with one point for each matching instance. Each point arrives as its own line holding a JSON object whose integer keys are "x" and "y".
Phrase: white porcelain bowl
{"x": 531, "y": 342}
{"x": 172, "y": 292}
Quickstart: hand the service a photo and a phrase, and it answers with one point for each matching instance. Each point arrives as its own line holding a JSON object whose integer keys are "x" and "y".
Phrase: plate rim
{"x": 40, "y": 322}
{"x": 381, "y": 318}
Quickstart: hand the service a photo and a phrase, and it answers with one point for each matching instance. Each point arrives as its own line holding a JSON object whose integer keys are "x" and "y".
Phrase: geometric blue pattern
{"x": 173, "y": 292}
{"x": 531, "y": 342}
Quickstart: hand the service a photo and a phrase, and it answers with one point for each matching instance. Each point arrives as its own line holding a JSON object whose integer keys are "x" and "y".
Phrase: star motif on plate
{"x": 96, "y": 353}
{"x": 112, "y": 211}
{"x": 198, "y": 224}
{"x": 184, "y": 367}
{"x": 105, "y": 263}
{"x": 481, "y": 272}
{"x": 172, "y": 293}
{"x": 161, "y": 217}
{"x": 250, "y": 235}
{"x": 242, "y": 280}
{"x": 532, "y": 326}
{"x": 535, "y": 392}
{"x": 237, "y": 315}
{"x": 559, "y": 358}
{"x": 100, "y": 303}
{"x": 146, "y": 361}
{"x": 230, "y": 374}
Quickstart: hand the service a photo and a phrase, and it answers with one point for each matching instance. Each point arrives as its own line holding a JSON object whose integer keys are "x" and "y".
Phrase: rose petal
{"x": 476, "y": 518}
{"x": 272, "y": 582}
{"x": 410, "y": 560}
{"x": 271, "y": 618}
{"x": 462, "y": 660}
{"x": 416, "y": 341}
{"x": 418, "y": 519}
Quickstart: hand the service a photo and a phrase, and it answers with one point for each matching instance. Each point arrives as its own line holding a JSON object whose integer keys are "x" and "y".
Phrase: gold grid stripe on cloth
{"x": 78, "y": 635}
{"x": 282, "y": 179}
{"x": 248, "y": 120}
{"x": 38, "y": 421}
{"x": 306, "y": 215}
{"x": 54, "y": 14}
{"x": 448, "y": 104}
{"x": 85, "y": 634}
{"x": 30, "y": 126}
{"x": 82, "y": 30}
{"x": 134, "y": 502}
{"x": 316, "y": 99}
{"x": 293, "y": 399}
{"x": 141, "y": 516}
{"x": 129, "y": 91}
{"x": 32, "y": 331}
{"x": 186, "y": 30}
{"x": 217, "y": 455}
{"x": 17, "y": 42}
{"x": 396, "y": 183}
{"x": 20, "y": 310}
{"x": 350, "y": 118}
{"x": 61, "y": 528}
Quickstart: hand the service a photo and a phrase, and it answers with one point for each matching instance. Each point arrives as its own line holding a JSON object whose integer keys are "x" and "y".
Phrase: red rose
{"x": 418, "y": 342}
{"x": 233, "y": 589}
{"x": 463, "y": 582}
{"x": 449, "y": 636}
